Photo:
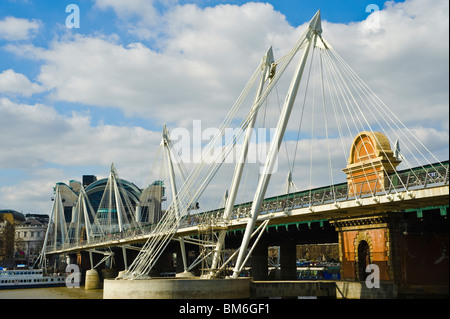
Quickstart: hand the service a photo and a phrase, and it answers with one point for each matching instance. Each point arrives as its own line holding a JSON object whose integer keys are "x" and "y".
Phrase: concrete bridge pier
{"x": 92, "y": 280}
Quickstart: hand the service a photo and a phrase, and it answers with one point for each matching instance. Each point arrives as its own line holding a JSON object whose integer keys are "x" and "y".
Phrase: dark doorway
{"x": 363, "y": 259}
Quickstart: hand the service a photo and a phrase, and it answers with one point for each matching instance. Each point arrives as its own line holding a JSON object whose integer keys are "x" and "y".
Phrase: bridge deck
{"x": 407, "y": 199}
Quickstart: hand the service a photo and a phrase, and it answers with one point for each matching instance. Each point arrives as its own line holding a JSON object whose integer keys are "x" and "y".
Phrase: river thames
{"x": 51, "y": 293}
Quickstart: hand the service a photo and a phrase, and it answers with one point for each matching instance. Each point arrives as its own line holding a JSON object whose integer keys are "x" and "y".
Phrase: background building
{"x": 12, "y": 216}
{"x": 28, "y": 241}
{"x": 8, "y": 220}
{"x": 22, "y": 236}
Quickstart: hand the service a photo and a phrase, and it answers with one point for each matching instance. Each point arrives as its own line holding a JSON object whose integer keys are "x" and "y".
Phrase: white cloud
{"x": 404, "y": 60}
{"x": 128, "y": 8}
{"x": 32, "y": 195}
{"x": 207, "y": 55}
{"x": 201, "y": 67}
{"x": 17, "y": 83}
{"x": 15, "y": 29}
{"x": 140, "y": 17}
{"x": 37, "y": 134}
{"x": 35, "y": 137}
{"x": 134, "y": 78}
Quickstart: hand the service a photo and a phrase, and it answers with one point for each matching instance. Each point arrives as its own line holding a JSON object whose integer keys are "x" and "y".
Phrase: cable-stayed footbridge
{"x": 330, "y": 129}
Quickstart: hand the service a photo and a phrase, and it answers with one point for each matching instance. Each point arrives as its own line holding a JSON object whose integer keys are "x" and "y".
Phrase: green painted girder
{"x": 285, "y": 225}
{"x": 419, "y": 211}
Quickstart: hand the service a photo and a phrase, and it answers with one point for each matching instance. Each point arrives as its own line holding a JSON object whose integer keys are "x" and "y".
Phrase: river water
{"x": 51, "y": 293}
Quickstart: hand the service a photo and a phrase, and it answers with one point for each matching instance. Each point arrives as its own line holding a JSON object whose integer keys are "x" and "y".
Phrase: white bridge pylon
{"x": 168, "y": 149}
{"x": 314, "y": 31}
{"x": 116, "y": 213}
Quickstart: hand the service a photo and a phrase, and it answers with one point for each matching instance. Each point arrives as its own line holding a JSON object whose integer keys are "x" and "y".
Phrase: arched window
{"x": 363, "y": 259}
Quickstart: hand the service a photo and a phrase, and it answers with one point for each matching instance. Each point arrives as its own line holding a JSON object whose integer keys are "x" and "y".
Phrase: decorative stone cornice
{"x": 362, "y": 222}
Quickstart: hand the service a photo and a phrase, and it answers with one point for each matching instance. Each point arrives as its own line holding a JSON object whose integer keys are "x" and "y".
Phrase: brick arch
{"x": 363, "y": 236}
{"x": 370, "y": 161}
{"x": 376, "y": 141}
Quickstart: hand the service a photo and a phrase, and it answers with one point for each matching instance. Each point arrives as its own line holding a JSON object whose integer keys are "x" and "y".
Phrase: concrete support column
{"x": 92, "y": 280}
{"x": 260, "y": 267}
{"x": 288, "y": 260}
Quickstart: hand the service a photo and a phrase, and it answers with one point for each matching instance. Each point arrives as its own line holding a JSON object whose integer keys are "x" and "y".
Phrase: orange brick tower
{"x": 367, "y": 239}
{"x": 371, "y": 160}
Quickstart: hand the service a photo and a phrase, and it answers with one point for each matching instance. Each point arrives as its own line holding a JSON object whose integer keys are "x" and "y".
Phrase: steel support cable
{"x": 326, "y": 124}
{"x": 369, "y": 108}
{"x": 59, "y": 221}
{"x": 149, "y": 248}
{"x": 349, "y": 102}
{"x": 154, "y": 248}
{"x": 280, "y": 70}
{"x": 383, "y": 107}
{"x": 80, "y": 215}
{"x": 194, "y": 176}
{"x": 195, "y": 173}
{"x": 350, "y": 73}
{"x": 142, "y": 268}
{"x": 301, "y": 116}
{"x": 286, "y": 61}
{"x": 197, "y": 169}
{"x": 343, "y": 94}
{"x": 331, "y": 87}
{"x": 148, "y": 260}
{"x": 351, "y": 112}
{"x": 129, "y": 212}
{"x": 138, "y": 266}
{"x": 90, "y": 214}
{"x": 284, "y": 139}
{"x": 312, "y": 131}
{"x": 339, "y": 97}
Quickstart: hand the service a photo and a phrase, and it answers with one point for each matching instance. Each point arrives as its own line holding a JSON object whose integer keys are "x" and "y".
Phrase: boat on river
{"x": 29, "y": 278}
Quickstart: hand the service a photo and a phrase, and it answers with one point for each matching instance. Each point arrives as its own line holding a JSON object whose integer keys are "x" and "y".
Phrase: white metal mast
{"x": 167, "y": 144}
{"x": 314, "y": 30}
{"x": 117, "y": 198}
{"x": 266, "y": 63}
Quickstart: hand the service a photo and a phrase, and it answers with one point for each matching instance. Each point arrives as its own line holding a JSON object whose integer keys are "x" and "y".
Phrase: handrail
{"x": 422, "y": 178}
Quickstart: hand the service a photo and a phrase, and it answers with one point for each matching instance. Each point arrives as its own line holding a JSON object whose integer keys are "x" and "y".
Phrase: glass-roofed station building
{"x": 146, "y": 202}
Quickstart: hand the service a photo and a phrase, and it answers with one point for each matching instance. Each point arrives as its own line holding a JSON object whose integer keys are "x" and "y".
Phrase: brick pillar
{"x": 379, "y": 233}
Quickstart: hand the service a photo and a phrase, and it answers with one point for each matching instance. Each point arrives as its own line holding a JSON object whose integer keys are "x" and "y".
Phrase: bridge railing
{"x": 417, "y": 178}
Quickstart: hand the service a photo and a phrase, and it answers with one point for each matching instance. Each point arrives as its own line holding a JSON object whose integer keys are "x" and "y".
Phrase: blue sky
{"x": 72, "y": 100}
